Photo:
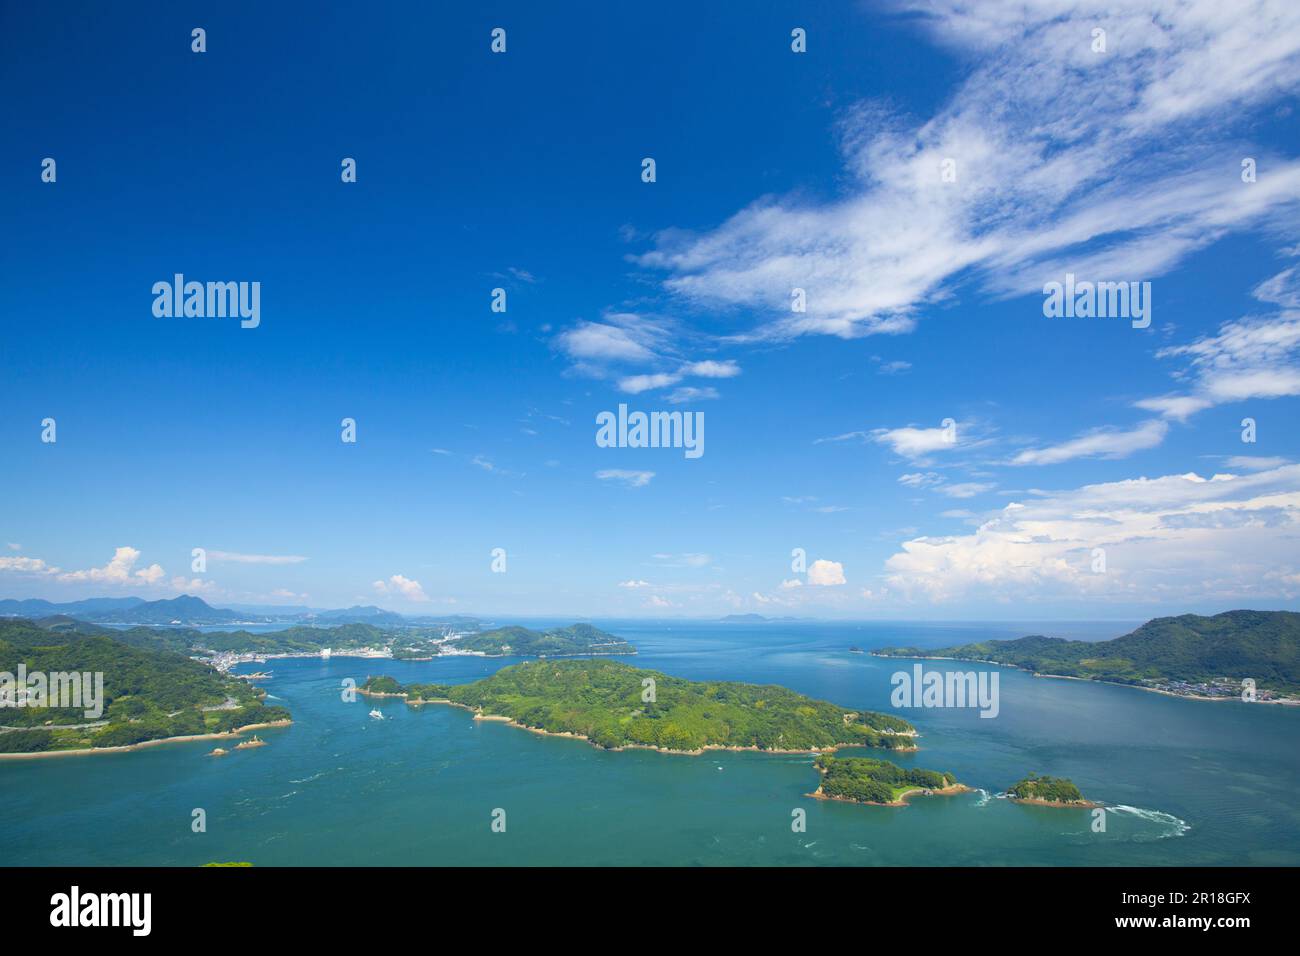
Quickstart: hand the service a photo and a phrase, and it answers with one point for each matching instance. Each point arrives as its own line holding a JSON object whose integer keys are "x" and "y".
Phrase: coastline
{"x": 1040, "y": 802}
{"x": 125, "y": 748}
{"x": 1286, "y": 701}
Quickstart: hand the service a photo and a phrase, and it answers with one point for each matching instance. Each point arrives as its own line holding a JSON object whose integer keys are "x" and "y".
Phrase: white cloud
{"x": 120, "y": 570}
{"x": 632, "y": 479}
{"x": 823, "y": 573}
{"x": 238, "y": 558}
{"x": 1168, "y": 539}
{"x": 625, "y": 338}
{"x": 1098, "y": 443}
{"x": 921, "y": 479}
{"x": 967, "y": 489}
{"x": 14, "y": 547}
{"x": 1042, "y": 182}
{"x": 1256, "y": 356}
{"x": 712, "y": 369}
{"x": 402, "y": 587}
{"x": 689, "y": 559}
{"x": 689, "y": 393}
{"x": 790, "y": 584}
{"x": 1255, "y": 463}
{"x": 635, "y": 584}
{"x": 26, "y": 565}
{"x": 915, "y": 442}
{"x": 635, "y": 384}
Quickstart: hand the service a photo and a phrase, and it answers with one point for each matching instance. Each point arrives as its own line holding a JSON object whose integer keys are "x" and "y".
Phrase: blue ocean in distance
{"x": 1185, "y": 782}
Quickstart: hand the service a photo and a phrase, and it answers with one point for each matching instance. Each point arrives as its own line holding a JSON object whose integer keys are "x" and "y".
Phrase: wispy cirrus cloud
{"x": 1040, "y": 182}
{"x": 627, "y": 477}
{"x": 1097, "y": 443}
{"x": 235, "y": 557}
{"x": 1256, "y": 356}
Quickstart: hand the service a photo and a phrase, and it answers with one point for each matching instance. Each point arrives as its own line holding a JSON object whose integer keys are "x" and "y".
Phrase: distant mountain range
{"x": 193, "y": 611}
{"x": 757, "y": 619}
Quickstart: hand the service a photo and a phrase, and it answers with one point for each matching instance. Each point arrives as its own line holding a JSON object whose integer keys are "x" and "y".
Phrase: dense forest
{"x": 148, "y": 694}
{"x": 1054, "y": 789}
{"x": 559, "y": 641}
{"x": 1263, "y": 645}
{"x": 615, "y": 705}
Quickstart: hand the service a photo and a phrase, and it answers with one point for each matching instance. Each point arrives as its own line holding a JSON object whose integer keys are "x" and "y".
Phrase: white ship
{"x": 325, "y": 653}
{"x": 377, "y": 714}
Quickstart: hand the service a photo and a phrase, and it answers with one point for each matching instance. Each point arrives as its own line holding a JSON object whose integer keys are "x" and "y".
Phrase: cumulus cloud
{"x": 823, "y": 573}
{"x": 120, "y": 570}
{"x": 26, "y": 565}
{"x": 1166, "y": 539}
{"x": 403, "y": 587}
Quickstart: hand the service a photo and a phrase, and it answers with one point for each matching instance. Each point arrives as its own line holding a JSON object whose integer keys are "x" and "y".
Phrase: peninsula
{"x": 1186, "y": 656}
{"x": 149, "y": 696}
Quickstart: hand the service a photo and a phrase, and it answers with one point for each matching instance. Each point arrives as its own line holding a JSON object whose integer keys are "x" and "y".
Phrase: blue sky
{"x": 775, "y": 170}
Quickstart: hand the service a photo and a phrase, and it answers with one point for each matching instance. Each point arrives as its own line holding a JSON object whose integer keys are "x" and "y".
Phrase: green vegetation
{"x": 382, "y": 685}
{"x": 148, "y": 694}
{"x": 1190, "y": 649}
{"x": 576, "y": 639}
{"x": 866, "y": 780}
{"x": 1052, "y": 789}
{"x": 604, "y": 701}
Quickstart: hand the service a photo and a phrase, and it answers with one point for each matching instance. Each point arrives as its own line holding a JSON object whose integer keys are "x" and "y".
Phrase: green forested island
{"x": 557, "y": 642}
{"x": 1048, "y": 790}
{"x": 148, "y": 693}
{"x": 1188, "y": 655}
{"x": 615, "y": 705}
{"x": 866, "y": 780}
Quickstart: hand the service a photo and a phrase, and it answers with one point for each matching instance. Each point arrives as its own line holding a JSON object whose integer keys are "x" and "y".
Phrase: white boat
{"x": 377, "y": 714}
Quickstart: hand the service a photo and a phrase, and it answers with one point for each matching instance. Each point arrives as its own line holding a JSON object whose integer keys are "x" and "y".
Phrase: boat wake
{"x": 1169, "y": 825}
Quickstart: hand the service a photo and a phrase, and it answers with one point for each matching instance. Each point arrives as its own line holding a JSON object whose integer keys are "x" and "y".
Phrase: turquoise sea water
{"x": 1187, "y": 782}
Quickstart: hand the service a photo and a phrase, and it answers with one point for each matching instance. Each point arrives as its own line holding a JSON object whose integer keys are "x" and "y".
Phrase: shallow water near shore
{"x": 1185, "y": 782}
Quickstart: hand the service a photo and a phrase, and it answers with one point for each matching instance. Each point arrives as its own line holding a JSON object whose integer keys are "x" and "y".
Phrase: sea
{"x": 1182, "y": 782}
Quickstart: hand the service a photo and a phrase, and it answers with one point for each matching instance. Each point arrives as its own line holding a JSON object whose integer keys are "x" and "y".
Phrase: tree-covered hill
{"x": 148, "y": 693}
{"x": 575, "y": 639}
{"x": 866, "y": 780}
{"x": 1263, "y": 645}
